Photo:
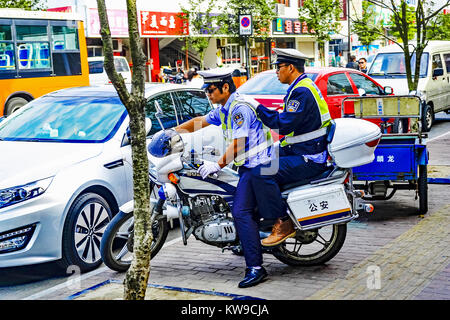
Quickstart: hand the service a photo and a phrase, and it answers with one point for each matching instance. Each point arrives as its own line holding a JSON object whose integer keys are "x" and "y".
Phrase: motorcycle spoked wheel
{"x": 117, "y": 245}
{"x": 312, "y": 247}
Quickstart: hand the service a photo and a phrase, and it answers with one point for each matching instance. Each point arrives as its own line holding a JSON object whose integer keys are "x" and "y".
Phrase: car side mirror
{"x": 438, "y": 72}
{"x": 388, "y": 90}
{"x": 361, "y": 92}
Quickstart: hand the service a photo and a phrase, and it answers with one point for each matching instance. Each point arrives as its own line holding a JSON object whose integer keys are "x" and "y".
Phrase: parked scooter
{"x": 320, "y": 208}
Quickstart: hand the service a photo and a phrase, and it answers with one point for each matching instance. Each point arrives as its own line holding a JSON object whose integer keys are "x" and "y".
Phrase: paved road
{"x": 390, "y": 254}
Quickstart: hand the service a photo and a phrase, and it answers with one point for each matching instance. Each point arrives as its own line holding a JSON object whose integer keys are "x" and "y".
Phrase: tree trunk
{"x": 136, "y": 279}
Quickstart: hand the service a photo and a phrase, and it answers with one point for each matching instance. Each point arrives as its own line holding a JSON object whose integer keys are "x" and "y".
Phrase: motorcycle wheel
{"x": 312, "y": 247}
{"x": 116, "y": 247}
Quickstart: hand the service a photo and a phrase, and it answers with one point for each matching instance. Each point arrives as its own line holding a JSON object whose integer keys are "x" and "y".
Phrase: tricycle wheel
{"x": 422, "y": 186}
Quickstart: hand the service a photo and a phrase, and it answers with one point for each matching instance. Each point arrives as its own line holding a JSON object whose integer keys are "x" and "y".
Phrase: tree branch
{"x": 114, "y": 76}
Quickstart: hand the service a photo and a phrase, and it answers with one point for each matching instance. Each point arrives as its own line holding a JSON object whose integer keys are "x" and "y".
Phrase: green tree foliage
{"x": 441, "y": 29}
{"x": 322, "y": 18}
{"x": 365, "y": 26}
{"x": 203, "y": 23}
{"x": 23, "y": 4}
{"x": 403, "y": 23}
{"x": 262, "y": 11}
{"x": 410, "y": 28}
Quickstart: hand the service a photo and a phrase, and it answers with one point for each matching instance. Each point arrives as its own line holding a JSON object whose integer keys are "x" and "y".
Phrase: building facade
{"x": 163, "y": 31}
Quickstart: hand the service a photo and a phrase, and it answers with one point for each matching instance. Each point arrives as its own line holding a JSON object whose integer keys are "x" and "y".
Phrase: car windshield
{"x": 65, "y": 119}
{"x": 394, "y": 64}
{"x": 97, "y": 66}
{"x": 267, "y": 83}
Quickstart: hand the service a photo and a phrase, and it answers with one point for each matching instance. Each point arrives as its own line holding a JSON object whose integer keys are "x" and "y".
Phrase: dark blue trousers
{"x": 267, "y": 181}
{"x": 246, "y": 219}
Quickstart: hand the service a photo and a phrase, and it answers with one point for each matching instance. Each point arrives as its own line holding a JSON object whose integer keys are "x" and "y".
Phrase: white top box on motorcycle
{"x": 354, "y": 142}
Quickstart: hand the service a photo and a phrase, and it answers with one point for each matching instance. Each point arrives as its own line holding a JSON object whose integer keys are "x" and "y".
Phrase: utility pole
{"x": 349, "y": 36}
{"x": 246, "y": 30}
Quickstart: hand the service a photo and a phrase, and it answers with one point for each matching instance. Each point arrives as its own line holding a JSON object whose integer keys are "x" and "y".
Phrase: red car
{"x": 334, "y": 83}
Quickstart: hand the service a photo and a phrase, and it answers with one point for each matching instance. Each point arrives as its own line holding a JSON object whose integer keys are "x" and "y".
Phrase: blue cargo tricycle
{"x": 400, "y": 158}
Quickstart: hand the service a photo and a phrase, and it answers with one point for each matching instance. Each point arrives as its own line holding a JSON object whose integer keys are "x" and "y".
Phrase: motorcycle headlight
{"x": 28, "y": 191}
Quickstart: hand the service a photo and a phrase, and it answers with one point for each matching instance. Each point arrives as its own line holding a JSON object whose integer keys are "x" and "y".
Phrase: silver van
{"x": 388, "y": 69}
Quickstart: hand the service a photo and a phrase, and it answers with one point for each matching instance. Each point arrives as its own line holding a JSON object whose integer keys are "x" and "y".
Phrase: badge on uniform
{"x": 293, "y": 106}
{"x": 238, "y": 119}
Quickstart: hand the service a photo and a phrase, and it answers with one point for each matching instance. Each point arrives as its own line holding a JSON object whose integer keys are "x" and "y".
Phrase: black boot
{"x": 253, "y": 276}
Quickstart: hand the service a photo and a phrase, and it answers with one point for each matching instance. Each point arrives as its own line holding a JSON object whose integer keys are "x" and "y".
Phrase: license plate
{"x": 320, "y": 207}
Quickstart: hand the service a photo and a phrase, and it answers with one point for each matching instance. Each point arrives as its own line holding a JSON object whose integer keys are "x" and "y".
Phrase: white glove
{"x": 208, "y": 168}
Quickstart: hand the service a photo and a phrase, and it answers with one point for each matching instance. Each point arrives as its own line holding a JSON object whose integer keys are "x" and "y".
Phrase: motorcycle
{"x": 320, "y": 208}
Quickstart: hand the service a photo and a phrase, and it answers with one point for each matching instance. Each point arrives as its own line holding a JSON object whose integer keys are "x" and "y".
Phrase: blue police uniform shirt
{"x": 244, "y": 124}
{"x": 301, "y": 115}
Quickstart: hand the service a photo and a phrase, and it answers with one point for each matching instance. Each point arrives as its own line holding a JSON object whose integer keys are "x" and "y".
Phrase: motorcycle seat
{"x": 305, "y": 181}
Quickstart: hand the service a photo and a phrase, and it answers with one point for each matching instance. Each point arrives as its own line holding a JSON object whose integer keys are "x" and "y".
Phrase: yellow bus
{"x": 40, "y": 52}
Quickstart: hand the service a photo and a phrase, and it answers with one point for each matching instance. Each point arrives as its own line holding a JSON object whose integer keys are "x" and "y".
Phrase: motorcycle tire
{"x": 314, "y": 254}
{"x": 117, "y": 242}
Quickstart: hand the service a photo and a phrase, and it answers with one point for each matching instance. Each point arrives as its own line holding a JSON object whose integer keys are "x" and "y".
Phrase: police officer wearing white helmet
{"x": 249, "y": 145}
{"x": 302, "y": 152}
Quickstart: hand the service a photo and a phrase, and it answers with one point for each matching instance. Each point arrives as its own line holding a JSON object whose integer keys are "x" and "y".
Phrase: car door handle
{"x": 114, "y": 164}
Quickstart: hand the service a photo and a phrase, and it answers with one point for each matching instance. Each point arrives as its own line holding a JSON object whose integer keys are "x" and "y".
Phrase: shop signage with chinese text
{"x": 118, "y": 23}
{"x": 288, "y": 26}
{"x": 163, "y": 24}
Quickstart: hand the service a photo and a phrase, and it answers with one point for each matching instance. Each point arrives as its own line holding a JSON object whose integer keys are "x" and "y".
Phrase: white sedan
{"x": 65, "y": 169}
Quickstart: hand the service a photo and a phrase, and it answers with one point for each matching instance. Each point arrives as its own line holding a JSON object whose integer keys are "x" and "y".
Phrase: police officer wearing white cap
{"x": 249, "y": 146}
{"x": 302, "y": 153}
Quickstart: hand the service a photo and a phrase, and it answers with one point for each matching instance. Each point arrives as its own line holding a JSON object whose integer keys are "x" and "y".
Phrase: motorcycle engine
{"x": 213, "y": 224}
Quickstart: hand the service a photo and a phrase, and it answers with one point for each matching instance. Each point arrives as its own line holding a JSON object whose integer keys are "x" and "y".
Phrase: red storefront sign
{"x": 61, "y": 9}
{"x": 163, "y": 24}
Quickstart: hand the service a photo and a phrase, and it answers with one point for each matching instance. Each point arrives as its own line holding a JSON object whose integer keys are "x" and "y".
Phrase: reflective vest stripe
{"x": 307, "y": 136}
{"x": 228, "y": 134}
{"x": 324, "y": 115}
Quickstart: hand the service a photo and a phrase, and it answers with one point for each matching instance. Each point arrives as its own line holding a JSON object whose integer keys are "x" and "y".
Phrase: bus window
{"x": 7, "y": 57}
{"x": 65, "y": 38}
{"x": 40, "y": 52}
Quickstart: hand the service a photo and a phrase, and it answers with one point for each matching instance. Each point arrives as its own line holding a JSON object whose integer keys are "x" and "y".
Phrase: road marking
{"x": 440, "y": 136}
{"x": 50, "y": 290}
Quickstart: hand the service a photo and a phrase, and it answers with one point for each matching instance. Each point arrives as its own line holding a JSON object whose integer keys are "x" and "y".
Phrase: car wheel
{"x": 83, "y": 230}
{"x": 14, "y": 104}
{"x": 427, "y": 118}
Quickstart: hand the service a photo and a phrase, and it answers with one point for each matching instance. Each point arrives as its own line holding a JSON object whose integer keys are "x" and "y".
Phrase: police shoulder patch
{"x": 238, "y": 119}
{"x": 293, "y": 106}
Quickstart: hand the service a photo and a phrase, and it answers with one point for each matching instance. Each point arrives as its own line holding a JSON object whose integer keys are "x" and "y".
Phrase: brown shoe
{"x": 281, "y": 230}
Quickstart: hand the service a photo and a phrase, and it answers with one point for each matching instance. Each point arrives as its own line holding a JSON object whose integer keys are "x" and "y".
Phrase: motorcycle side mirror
{"x": 159, "y": 113}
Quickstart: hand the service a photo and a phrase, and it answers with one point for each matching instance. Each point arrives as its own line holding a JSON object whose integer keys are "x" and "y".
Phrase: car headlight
{"x": 17, "y": 194}
{"x": 421, "y": 94}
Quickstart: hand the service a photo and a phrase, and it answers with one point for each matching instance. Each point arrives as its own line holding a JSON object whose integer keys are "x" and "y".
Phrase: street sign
{"x": 245, "y": 25}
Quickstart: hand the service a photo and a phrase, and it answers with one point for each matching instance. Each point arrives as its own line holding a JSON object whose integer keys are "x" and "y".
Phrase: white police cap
{"x": 289, "y": 56}
{"x": 215, "y": 75}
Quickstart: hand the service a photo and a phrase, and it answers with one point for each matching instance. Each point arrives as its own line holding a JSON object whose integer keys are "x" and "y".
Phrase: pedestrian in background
{"x": 352, "y": 63}
{"x": 362, "y": 65}
{"x": 194, "y": 79}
